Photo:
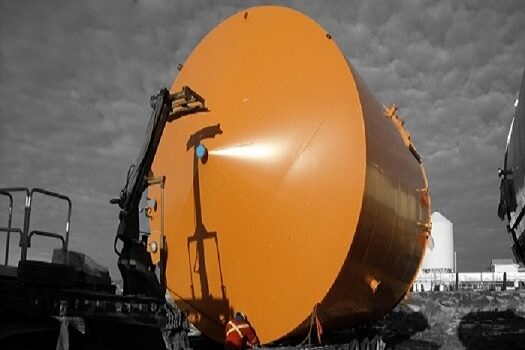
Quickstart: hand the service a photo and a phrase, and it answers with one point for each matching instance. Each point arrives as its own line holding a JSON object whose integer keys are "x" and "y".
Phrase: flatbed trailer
{"x": 70, "y": 299}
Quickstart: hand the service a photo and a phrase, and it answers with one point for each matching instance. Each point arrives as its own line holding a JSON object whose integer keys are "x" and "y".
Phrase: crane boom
{"x": 135, "y": 264}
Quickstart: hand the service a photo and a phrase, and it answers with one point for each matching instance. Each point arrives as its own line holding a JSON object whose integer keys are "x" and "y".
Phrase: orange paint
{"x": 307, "y": 188}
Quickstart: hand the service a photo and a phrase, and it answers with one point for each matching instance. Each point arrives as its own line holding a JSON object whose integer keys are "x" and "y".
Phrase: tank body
{"x": 308, "y": 194}
{"x": 440, "y": 253}
{"x": 512, "y": 200}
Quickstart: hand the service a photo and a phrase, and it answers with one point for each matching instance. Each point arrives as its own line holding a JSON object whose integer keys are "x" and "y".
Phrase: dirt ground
{"x": 448, "y": 320}
{"x": 458, "y": 320}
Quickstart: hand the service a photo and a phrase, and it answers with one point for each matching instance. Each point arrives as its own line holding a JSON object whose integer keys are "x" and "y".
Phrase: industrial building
{"x": 439, "y": 272}
{"x": 440, "y": 250}
{"x": 503, "y": 265}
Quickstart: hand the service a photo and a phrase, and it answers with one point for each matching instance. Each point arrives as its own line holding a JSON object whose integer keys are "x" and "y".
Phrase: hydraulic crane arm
{"x": 135, "y": 265}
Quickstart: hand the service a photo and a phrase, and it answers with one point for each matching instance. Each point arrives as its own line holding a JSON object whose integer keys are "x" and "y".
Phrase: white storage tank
{"x": 440, "y": 250}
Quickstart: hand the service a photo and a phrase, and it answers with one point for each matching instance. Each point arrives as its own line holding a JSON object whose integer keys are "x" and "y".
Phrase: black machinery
{"x": 72, "y": 299}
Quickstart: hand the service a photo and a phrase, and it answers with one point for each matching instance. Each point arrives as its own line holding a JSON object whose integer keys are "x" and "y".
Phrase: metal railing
{"x": 25, "y": 234}
{"x": 65, "y": 238}
{"x": 9, "y": 222}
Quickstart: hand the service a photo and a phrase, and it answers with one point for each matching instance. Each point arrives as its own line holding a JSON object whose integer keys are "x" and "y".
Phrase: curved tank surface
{"x": 512, "y": 199}
{"x": 296, "y": 189}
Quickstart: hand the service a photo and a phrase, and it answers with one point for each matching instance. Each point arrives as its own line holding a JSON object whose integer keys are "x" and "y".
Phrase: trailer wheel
{"x": 377, "y": 343}
{"x": 365, "y": 344}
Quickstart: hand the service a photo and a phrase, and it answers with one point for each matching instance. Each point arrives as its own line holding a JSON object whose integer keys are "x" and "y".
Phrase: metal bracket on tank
{"x": 425, "y": 226}
{"x": 184, "y": 102}
{"x": 156, "y": 241}
{"x": 405, "y": 135}
{"x": 425, "y": 196}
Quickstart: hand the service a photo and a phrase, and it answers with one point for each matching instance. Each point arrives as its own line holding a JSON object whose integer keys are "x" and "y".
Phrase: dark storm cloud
{"x": 74, "y": 98}
{"x": 75, "y": 81}
{"x": 454, "y": 70}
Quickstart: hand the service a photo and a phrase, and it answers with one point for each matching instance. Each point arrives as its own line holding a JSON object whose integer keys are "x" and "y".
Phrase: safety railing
{"x": 9, "y": 222}
{"x": 25, "y": 234}
{"x": 64, "y": 239}
{"x": 20, "y": 230}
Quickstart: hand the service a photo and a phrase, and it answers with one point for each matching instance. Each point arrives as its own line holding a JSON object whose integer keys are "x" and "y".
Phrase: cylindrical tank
{"x": 512, "y": 198}
{"x": 440, "y": 254}
{"x": 308, "y": 192}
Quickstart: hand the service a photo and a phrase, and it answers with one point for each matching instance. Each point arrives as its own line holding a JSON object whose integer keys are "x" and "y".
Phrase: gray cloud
{"x": 75, "y": 81}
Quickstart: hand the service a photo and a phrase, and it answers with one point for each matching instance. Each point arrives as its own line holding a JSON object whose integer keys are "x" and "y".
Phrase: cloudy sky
{"x": 76, "y": 77}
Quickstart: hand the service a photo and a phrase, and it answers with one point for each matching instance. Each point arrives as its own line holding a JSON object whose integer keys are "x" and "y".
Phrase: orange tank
{"x": 297, "y": 188}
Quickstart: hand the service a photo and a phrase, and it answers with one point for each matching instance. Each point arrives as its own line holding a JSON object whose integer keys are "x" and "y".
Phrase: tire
{"x": 365, "y": 344}
{"x": 375, "y": 343}
{"x": 354, "y": 345}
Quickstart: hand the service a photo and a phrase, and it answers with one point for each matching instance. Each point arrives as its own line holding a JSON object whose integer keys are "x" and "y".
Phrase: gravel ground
{"x": 446, "y": 320}
{"x": 461, "y": 320}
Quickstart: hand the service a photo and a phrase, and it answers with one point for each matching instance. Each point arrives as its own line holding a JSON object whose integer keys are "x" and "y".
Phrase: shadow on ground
{"x": 399, "y": 329}
{"x": 492, "y": 330}
{"x": 447, "y": 321}
{"x": 201, "y": 342}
